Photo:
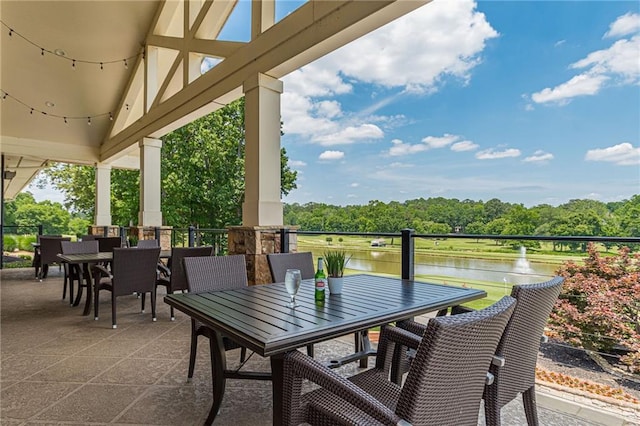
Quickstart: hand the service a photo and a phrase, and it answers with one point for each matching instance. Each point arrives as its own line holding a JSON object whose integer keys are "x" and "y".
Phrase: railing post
{"x": 123, "y": 237}
{"x": 284, "y": 241}
{"x": 157, "y": 232}
{"x": 40, "y": 229}
{"x": 192, "y": 236}
{"x": 105, "y": 231}
{"x": 407, "y": 254}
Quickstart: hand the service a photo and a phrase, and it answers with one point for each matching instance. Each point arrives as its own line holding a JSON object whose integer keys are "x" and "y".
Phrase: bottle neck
{"x": 320, "y": 264}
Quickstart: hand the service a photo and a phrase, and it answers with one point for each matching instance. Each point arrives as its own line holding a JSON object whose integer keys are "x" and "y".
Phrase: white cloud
{"x": 492, "y": 154}
{"x": 399, "y": 165}
{"x": 624, "y": 25}
{"x": 579, "y": 85}
{"x": 440, "y": 142}
{"x": 350, "y": 135}
{"x": 354, "y": 185}
{"x": 431, "y": 142}
{"x": 296, "y": 163}
{"x": 617, "y": 64}
{"x": 464, "y": 146}
{"x": 452, "y": 36}
{"x": 623, "y": 154}
{"x": 331, "y": 155}
{"x": 539, "y": 157}
{"x": 450, "y": 47}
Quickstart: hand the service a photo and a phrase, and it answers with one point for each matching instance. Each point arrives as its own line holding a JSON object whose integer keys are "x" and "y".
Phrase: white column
{"x": 150, "y": 214}
{"x": 262, "y": 205}
{"x": 103, "y": 195}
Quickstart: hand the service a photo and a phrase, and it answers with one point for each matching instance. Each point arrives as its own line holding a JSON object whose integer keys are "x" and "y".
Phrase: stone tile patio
{"x": 61, "y": 368}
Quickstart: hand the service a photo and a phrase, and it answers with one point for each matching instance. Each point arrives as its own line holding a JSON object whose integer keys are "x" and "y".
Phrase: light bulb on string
{"x": 126, "y": 65}
{"x": 10, "y": 32}
{"x": 65, "y": 121}
{"x": 4, "y": 95}
{"x": 110, "y": 117}
{"x": 73, "y": 64}
{"x": 42, "y": 52}
{"x": 89, "y": 121}
{"x": 31, "y": 111}
{"x": 101, "y": 67}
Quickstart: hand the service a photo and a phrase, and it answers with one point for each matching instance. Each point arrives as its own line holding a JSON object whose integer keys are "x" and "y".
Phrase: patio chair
{"x": 148, "y": 243}
{"x": 107, "y": 244}
{"x": 172, "y": 276}
{"x": 519, "y": 347}
{"x": 444, "y": 384}
{"x": 213, "y": 273}
{"x": 132, "y": 270}
{"x": 280, "y": 262}
{"x": 76, "y": 272}
{"x": 49, "y": 250}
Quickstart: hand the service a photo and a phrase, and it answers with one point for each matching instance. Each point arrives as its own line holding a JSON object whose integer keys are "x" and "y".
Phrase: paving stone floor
{"x": 61, "y": 368}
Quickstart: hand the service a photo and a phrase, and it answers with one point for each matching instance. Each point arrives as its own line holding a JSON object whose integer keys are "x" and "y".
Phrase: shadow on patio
{"x": 59, "y": 367}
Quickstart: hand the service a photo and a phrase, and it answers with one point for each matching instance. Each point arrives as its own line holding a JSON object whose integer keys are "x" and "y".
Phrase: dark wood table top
{"x": 258, "y": 316}
{"x": 102, "y": 256}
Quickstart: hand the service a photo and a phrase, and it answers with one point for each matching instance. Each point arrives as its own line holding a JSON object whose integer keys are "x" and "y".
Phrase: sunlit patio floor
{"x": 61, "y": 368}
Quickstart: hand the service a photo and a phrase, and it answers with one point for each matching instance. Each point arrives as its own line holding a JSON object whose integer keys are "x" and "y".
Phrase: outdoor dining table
{"x": 259, "y": 318}
{"x": 85, "y": 259}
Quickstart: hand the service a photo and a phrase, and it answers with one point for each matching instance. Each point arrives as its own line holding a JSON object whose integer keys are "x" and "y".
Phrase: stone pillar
{"x": 137, "y": 233}
{"x": 102, "y": 215}
{"x": 255, "y": 242}
{"x": 262, "y": 205}
{"x": 150, "y": 179}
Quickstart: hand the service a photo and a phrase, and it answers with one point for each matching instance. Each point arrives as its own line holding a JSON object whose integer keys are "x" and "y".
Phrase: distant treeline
{"x": 494, "y": 217}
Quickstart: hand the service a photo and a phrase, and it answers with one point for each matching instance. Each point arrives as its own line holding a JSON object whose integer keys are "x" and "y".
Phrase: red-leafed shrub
{"x": 599, "y": 306}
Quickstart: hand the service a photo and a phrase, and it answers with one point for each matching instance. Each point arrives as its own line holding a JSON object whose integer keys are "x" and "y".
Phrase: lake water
{"x": 516, "y": 271}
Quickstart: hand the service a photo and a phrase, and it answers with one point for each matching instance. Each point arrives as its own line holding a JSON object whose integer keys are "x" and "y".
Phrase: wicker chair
{"x": 172, "y": 277}
{"x": 48, "y": 254}
{"x": 132, "y": 270}
{"x": 148, "y": 243}
{"x": 280, "y": 262}
{"x": 107, "y": 244}
{"x": 443, "y": 387}
{"x": 213, "y": 273}
{"x": 519, "y": 347}
{"x": 76, "y": 272}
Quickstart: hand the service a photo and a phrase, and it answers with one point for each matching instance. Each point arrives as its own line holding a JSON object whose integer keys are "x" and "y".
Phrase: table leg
{"x": 89, "y": 281}
{"x": 277, "y": 386}
{"x": 218, "y": 379}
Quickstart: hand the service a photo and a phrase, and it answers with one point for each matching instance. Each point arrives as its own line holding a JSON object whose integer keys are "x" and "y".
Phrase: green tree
{"x": 202, "y": 174}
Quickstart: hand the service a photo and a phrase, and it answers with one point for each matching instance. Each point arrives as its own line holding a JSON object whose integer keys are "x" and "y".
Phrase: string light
{"x": 42, "y": 49}
{"x": 65, "y": 118}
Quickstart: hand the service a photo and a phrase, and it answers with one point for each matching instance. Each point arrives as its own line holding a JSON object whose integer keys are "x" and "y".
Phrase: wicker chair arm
{"x": 412, "y": 326}
{"x": 403, "y": 337}
{"x": 101, "y": 271}
{"x": 306, "y": 367}
{"x": 163, "y": 270}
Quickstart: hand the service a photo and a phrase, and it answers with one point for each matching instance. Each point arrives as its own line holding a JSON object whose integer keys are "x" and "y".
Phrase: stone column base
{"x": 255, "y": 242}
{"x": 137, "y": 233}
{"x": 112, "y": 231}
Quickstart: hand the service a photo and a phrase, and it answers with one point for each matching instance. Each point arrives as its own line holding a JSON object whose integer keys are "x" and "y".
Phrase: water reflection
{"x": 506, "y": 271}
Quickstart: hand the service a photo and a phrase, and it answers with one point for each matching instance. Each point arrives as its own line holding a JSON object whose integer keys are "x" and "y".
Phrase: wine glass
{"x": 292, "y": 280}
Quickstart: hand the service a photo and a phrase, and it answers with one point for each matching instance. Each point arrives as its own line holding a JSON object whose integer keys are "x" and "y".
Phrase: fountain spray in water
{"x": 522, "y": 265}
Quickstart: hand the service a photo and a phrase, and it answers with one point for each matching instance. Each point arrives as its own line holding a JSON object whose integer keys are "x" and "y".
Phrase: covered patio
{"x": 59, "y": 367}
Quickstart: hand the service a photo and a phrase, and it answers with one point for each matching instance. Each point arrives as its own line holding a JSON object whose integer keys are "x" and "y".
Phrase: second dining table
{"x": 259, "y": 318}
{"x": 84, "y": 260}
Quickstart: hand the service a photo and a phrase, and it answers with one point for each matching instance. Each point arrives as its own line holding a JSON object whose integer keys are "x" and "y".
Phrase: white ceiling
{"x": 98, "y": 31}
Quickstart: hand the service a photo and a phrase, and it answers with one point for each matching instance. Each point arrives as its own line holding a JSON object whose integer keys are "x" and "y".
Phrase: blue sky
{"x": 529, "y": 102}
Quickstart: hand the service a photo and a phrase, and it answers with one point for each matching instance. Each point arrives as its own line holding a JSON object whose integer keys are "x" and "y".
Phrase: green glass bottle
{"x": 321, "y": 280}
